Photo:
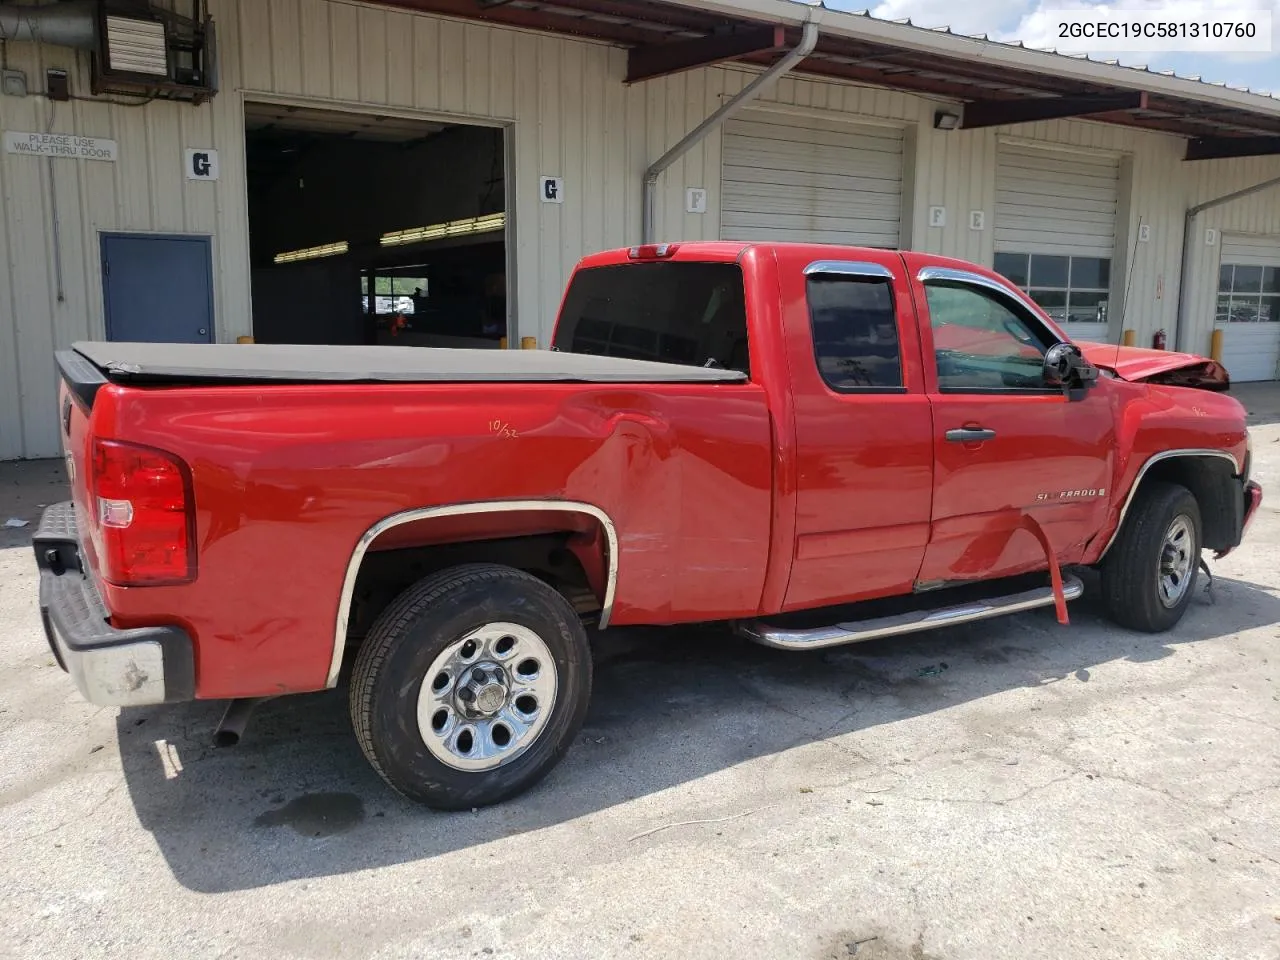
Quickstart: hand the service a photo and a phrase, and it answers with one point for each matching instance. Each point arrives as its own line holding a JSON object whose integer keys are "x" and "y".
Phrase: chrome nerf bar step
{"x": 857, "y": 630}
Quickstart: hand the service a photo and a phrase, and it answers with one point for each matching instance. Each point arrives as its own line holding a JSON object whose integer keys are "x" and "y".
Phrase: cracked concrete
{"x": 1055, "y": 792}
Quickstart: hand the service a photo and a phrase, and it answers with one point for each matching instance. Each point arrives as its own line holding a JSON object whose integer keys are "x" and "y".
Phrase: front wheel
{"x": 1149, "y": 574}
{"x": 471, "y": 686}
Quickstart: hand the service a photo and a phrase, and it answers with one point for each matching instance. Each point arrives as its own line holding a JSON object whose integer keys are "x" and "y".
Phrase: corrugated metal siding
{"x": 1258, "y": 214}
{"x": 957, "y": 169}
{"x": 563, "y": 100}
{"x": 570, "y": 115}
{"x": 805, "y": 179}
{"x": 144, "y": 190}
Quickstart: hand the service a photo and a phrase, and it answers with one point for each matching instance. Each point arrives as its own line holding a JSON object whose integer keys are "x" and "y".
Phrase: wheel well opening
{"x": 1211, "y": 481}
{"x": 555, "y": 558}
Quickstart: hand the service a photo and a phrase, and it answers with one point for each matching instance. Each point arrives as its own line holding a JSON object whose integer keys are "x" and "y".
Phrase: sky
{"x": 1012, "y": 20}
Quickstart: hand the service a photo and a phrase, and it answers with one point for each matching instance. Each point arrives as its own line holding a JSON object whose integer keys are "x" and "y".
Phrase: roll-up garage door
{"x": 789, "y": 178}
{"x": 1055, "y": 231}
{"x": 1248, "y": 309}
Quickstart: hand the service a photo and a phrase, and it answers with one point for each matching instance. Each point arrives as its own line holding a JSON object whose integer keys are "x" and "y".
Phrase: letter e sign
{"x": 202, "y": 164}
{"x": 552, "y": 189}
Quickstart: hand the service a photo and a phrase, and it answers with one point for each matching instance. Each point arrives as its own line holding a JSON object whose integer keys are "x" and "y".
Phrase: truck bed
{"x": 199, "y": 363}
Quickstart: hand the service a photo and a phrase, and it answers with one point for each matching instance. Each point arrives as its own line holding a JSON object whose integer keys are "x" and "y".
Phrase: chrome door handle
{"x": 970, "y": 434}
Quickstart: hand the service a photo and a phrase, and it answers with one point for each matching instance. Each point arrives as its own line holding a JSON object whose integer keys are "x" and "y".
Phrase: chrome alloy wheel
{"x": 1177, "y": 561}
{"x": 486, "y": 697}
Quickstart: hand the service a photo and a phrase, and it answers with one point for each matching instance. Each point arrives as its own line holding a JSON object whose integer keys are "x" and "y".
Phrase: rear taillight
{"x": 143, "y": 514}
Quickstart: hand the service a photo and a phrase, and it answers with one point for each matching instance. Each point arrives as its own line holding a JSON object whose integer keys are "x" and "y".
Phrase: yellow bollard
{"x": 1215, "y": 345}
{"x": 528, "y": 343}
{"x": 502, "y": 344}
{"x": 244, "y": 339}
{"x": 1128, "y": 338}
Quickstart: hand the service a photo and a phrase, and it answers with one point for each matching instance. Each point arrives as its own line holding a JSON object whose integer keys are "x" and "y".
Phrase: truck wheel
{"x": 1149, "y": 574}
{"x": 471, "y": 686}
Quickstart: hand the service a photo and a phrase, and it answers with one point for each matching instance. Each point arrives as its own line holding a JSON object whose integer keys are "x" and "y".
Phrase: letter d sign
{"x": 202, "y": 164}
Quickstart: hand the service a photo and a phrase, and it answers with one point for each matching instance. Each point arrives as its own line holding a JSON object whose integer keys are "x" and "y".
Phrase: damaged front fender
{"x": 1140, "y": 365}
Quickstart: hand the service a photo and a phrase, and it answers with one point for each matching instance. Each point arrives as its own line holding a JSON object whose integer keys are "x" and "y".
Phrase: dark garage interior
{"x": 368, "y": 229}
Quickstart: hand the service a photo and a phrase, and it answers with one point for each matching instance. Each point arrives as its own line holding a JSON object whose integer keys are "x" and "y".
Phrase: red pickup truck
{"x": 815, "y": 444}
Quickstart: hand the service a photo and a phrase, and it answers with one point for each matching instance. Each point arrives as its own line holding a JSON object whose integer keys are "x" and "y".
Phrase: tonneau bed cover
{"x": 196, "y": 363}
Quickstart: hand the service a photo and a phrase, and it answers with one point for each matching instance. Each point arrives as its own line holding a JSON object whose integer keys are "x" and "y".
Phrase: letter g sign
{"x": 202, "y": 165}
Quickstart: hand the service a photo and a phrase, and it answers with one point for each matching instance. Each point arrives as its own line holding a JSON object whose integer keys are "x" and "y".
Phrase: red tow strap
{"x": 1055, "y": 573}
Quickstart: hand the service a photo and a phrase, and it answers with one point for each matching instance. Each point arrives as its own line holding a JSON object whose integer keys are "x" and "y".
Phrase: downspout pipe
{"x": 1180, "y": 340}
{"x": 808, "y": 40}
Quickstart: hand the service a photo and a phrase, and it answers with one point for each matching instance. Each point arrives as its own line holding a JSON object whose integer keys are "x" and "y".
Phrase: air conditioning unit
{"x": 150, "y": 52}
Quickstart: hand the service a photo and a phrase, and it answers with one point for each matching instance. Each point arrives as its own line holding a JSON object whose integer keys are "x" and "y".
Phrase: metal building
{"x": 308, "y": 169}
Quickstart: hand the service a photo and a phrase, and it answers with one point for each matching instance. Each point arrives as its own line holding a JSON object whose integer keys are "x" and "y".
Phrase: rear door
{"x": 862, "y": 422}
{"x": 1005, "y": 446}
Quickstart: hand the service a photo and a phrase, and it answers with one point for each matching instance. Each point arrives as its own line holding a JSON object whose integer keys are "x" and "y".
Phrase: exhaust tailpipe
{"x": 233, "y": 723}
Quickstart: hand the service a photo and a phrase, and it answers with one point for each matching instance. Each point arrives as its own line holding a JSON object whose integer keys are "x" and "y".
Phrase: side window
{"x": 981, "y": 343}
{"x": 855, "y": 332}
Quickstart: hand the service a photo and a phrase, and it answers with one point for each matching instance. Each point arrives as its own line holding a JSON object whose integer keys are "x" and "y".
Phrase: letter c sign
{"x": 202, "y": 164}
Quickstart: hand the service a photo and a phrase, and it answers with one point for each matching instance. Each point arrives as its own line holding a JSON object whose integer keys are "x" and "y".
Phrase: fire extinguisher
{"x": 1159, "y": 341}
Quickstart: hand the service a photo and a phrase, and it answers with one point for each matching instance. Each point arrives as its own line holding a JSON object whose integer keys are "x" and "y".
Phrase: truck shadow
{"x": 296, "y": 798}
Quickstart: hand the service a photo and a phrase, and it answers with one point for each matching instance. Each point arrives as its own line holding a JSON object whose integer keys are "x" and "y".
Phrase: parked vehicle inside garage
{"x": 816, "y": 444}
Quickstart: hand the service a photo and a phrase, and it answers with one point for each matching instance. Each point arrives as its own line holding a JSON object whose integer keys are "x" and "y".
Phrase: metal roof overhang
{"x": 998, "y": 83}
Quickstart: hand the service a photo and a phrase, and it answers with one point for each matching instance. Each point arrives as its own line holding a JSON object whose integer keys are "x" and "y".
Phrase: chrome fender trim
{"x": 461, "y": 509}
{"x": 1151, "y": 462}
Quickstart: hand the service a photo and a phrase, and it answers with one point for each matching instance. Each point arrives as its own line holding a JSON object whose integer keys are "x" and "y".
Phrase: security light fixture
{"x": 942, "y": 120}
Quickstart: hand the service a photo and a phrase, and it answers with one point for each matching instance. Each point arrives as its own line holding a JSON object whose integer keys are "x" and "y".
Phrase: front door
{"x": 862, "y": 424}
{"x": 157, "y": 289}
{"x": 1006, "y": 447}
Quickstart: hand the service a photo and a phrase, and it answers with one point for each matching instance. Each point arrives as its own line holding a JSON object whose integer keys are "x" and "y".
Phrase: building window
{"x": 855, "y": 333}
{"x": 394, "y": 294}
{"x": 1248, "y": 294}
{"x": 1068, "y": 289}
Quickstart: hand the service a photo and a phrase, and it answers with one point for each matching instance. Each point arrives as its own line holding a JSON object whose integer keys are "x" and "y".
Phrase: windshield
{"x": 688, "y": 313}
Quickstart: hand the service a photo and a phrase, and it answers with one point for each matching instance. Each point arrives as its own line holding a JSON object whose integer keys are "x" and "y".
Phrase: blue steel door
{"x": 157, "y": 289}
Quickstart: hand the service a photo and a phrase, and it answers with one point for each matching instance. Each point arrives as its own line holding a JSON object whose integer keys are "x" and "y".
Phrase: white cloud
{"x": 974, "y": 16}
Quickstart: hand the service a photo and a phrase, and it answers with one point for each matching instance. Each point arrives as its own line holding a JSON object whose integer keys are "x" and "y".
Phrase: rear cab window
{"x": 675, "y": 312}
{"x": 855, "y": 327}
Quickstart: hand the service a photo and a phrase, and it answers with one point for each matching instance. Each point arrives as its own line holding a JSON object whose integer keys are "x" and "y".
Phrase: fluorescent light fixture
{"x": 311, "y": 253}
{"x": 454, "y": 228}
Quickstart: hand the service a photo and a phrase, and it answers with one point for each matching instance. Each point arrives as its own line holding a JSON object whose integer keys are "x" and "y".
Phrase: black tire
{"x": 1131, "y": 570}
{"x": 430, "y": 618}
